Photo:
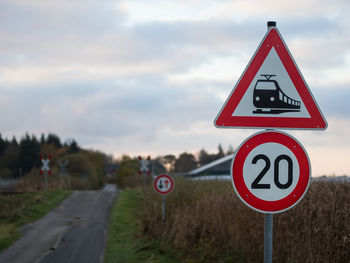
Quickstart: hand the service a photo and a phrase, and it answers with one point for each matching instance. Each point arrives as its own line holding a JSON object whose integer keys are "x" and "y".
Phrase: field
{"x": 206, "y": 222}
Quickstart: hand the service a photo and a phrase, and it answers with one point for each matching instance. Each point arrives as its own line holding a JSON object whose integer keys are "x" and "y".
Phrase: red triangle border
{"x": 225, "y": 118}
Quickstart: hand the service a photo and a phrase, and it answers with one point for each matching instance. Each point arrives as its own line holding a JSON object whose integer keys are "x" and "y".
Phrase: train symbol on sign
{"x": 269, "y": 98}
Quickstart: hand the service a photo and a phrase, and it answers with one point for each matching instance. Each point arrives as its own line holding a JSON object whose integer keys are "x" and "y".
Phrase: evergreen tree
{"x": 220, "y": 152}
{"x": 29, "y": 153}
{"x": 2, "y": 145}
{"x": 9, "y": 160}
{"x": 54, "y": 139}
{"x": 73, "y": 147}
{"x": 42, "y": 139}
{"x": 204, "y": 157}
{"x": 14, "y": 141}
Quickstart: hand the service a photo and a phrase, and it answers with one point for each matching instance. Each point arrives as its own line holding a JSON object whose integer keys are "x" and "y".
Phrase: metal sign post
{"x": 63, "y": 172}
{"x": 163, "y": 185}
{"x": 45, "y": 175}
{"x": 163, "y": 207}
{"x": 144, "y": 170}
{"x": 268, "y": 237}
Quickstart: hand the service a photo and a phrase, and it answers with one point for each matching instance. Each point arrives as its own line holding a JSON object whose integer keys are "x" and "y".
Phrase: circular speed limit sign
{"x": 163, "y": 184}
{"x": 271, "y": 171}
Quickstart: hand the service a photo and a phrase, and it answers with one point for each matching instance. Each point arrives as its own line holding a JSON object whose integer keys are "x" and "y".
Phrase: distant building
{"x": 218, "y": 169}
{"x": 111, "y": 170}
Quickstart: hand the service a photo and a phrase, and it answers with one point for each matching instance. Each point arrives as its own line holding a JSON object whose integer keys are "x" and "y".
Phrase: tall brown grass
{"x": 207, "y": 222}
{"x": 33, "y": 182}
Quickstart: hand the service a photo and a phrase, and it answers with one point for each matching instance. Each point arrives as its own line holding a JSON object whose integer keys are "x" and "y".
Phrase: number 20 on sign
{"x": 271, "y": 172}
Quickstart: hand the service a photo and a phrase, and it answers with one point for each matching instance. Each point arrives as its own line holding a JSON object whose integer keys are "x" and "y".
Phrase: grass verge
{"x": 123, "y": 245}
{"x": 18, "y": 210}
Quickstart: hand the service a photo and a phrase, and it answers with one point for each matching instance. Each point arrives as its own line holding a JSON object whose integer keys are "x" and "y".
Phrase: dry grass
{"x": 206, "y": 222}
{"x": 33, "y": 182}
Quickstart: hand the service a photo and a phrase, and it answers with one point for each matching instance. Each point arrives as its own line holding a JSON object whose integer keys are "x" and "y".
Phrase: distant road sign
{"x": 45, "y": 162}
{"x": 144, "y": 165}
{"x": 271, "y": 92}
{"x": 163, "y": 184}
{"x": 271, "y": 172}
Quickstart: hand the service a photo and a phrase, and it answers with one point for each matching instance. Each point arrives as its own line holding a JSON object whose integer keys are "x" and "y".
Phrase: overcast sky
{"x": 149, "y": 77}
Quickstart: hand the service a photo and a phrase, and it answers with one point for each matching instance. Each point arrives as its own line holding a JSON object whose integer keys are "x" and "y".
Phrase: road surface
{"x": 73, "y": 232}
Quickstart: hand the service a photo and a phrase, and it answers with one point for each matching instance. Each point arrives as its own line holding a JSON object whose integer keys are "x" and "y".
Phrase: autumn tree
{"x": 127, "y": 168}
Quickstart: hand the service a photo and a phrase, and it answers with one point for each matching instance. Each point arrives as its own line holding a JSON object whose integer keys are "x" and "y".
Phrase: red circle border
{"x": 237, "y": 172}
{"x": 159, "y": 177}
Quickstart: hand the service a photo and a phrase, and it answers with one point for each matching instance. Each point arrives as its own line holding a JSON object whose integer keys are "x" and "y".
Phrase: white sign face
{"x": 144, "y": 166}
{"x": 275, "y": 159}
{"x": 45, "y": 163}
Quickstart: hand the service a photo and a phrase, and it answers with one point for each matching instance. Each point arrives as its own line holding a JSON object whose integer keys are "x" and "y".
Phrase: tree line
{"x": 20, "y": 157}
{"x": 182, "y": 163}
{"x": 186, "y": 162}
{"x": 127, "y": 168}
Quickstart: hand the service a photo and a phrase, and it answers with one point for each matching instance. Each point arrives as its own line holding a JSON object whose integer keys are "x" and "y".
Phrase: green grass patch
{"x": 18, "y": 210}
{"x": 123, "y": 243}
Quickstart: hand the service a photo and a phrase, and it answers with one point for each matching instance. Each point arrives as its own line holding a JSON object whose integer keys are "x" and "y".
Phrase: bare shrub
{"x": 134, "y": 181}
{"x": 127, "y": 174}
{"x": 34, "y": 181}
{"x": 82, "y": 172}
{"x": 83, "y": 175}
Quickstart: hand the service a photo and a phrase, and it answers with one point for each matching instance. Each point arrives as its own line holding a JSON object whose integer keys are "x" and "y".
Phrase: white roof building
{"x": 218, "y": 168}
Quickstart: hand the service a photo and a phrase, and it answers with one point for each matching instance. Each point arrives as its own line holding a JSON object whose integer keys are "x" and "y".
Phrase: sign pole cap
{"x": 271, "y": 24}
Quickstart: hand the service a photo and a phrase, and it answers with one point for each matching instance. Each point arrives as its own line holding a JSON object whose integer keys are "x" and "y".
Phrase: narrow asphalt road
{"x": 73, "y": 232}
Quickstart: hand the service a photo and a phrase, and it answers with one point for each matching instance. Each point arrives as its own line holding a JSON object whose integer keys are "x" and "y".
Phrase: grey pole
{"x": 63, "y": 172}
{"x": 61, "y": 177}
{"x": 163, "y": 207}
{"x": 268, "y": 237}
{"x": 68, "y": 178}
{"x": 45, "y": 180}
{"x": 268, "y": 218}
{"x": 144, "y": 179}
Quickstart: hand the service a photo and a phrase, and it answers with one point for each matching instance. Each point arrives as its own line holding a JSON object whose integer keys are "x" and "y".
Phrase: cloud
{"x": 136, "y": 76}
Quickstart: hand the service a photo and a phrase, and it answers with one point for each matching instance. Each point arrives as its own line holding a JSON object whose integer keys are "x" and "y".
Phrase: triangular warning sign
{"x": 271, "y": 92}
